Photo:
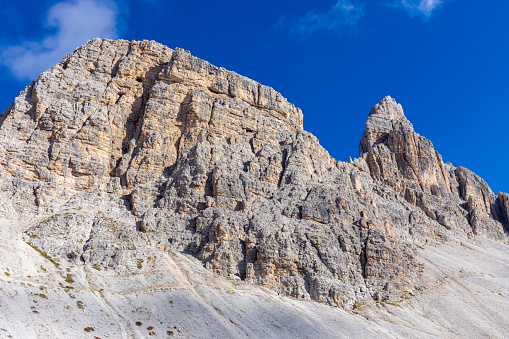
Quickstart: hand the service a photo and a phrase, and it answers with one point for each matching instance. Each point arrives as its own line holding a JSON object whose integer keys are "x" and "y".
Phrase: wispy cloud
{"x": 72, "y": 23}
{"x": 343, "y": 13}
{"x": 422, "y": 7}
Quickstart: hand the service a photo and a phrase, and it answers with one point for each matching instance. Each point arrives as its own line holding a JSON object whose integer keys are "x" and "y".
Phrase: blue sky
{"x": 445, "y": 61}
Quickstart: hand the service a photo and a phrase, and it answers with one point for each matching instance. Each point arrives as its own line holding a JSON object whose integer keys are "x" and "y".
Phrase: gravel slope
{"x": 466, "y": 295}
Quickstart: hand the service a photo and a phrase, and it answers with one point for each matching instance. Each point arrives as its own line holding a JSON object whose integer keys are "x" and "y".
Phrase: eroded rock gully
{"x": 126, "y": 148}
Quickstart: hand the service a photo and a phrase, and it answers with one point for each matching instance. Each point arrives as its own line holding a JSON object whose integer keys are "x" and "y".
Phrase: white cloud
{"x": 423, "y": 7}
{"x": 73, "y": 23}
{"x": 342, "y": 13}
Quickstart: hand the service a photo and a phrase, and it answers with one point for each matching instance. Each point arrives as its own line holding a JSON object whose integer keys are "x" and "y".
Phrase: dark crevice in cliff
{"x": 501, "y": 207}
{"x": 114, "y": 71}
{"x": 363, "y": 259}
{"x": 284, "y": 159}
{"x": 242, "y": 265}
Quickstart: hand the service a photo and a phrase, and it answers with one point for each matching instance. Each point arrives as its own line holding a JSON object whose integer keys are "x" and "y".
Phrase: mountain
{"x": 146, "y": 192}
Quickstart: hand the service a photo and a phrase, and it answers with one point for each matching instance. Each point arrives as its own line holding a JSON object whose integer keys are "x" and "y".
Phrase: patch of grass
{"x": 42, "y": 296}
{"x": 138, "y": 323}
{"x": 79, "y": 304}
{"x": 140, "y": 262}
{"x": 69, "y": 279}
{"x": 95, "y": 267}
{"x": 7, "y": 274}
{"x": 88, "y": 329}
{"x": 150, "y": 328}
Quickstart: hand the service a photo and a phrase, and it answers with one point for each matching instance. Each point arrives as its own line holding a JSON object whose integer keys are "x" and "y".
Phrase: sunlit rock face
{"x": 129, "y": 151}
{"x": 399, "y": 157}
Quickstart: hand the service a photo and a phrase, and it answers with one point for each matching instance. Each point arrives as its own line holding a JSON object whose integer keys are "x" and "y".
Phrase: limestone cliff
{"x": 127, "y": 151}
{"x": 455, "y": 197}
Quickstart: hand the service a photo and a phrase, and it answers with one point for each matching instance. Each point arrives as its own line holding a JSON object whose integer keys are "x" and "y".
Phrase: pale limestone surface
{"x": 140, "y": 169}
{"x": 466, "y": 295}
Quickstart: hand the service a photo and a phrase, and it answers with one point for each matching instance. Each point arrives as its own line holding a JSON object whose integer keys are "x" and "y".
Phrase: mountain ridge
{"x": 127, "y": 154}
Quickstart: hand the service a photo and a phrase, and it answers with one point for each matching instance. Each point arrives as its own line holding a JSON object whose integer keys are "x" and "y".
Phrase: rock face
{"x": 126, "y": 150}
{"x": 118, "y": 114}
{"x": 397, "y": 156}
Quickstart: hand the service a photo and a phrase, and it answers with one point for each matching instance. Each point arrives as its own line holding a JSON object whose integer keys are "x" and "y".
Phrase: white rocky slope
{"x": 146, "y": 192}
{"x": 467, "y": 296}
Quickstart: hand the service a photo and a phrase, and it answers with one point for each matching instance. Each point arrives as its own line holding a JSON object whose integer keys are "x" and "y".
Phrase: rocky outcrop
{"x": 117, "y": 114}
{"x": 396, "y": 155}
{"x": 503, "y": 208}
{"x": 127, "y": 150}
{"x": 483, "y": 211}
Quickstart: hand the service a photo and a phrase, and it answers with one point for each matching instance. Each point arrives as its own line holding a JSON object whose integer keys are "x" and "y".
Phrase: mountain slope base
{"x": 467, "y": 294}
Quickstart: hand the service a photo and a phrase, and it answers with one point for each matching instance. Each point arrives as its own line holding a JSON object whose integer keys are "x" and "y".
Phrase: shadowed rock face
{"x": 131, "y": 148}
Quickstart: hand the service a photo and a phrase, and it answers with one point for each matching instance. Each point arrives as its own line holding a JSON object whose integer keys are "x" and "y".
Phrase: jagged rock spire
{"x": 396, "y": 155}
{"x": 392, "y": 149}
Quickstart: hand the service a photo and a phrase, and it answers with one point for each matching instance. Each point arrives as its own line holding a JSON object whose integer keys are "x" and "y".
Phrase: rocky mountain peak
{"x": 393, "y": 149}
{"x": 127, "y": 151}
{"x": 385, "y": 118}
{"x": 398, "y": 156}
{"x": 388, "y": 109}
